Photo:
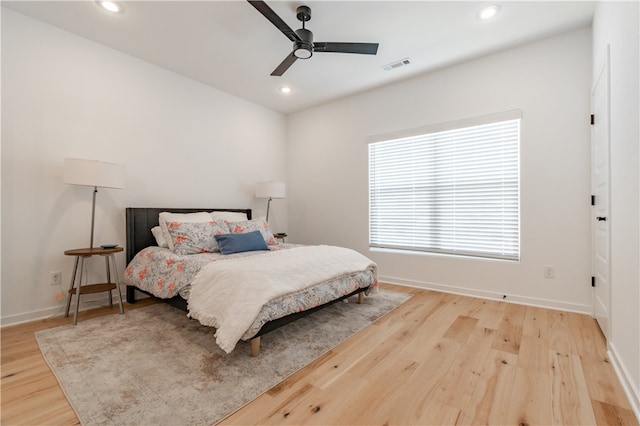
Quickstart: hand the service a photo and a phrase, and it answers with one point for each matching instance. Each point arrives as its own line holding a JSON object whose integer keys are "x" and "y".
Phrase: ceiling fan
{"x": 303, "y": 44}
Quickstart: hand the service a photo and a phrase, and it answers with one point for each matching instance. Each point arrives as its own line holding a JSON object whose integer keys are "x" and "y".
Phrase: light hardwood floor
{"x": 437, "y": 359}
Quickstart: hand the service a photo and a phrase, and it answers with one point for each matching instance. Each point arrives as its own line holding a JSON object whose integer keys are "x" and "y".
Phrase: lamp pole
{"x": 93, "y": 214}
{"x": 268, "y": 205}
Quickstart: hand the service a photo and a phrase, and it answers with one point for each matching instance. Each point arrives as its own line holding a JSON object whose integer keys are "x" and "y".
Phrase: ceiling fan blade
{"x": 268, "y": 13}
{"x": 284, "y": 65}
{"x": 361, "y": 48}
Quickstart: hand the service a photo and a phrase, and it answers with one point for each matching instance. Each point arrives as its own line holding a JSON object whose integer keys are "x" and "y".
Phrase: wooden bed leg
{"x": 255, "y": 346}
{"x": 360, "y": 298}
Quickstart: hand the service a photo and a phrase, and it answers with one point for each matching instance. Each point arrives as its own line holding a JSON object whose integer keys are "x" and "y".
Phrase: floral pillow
{"x": 196, "y": 237}
{"x": 253, "y": 225}
{"x": 166, "y": 217}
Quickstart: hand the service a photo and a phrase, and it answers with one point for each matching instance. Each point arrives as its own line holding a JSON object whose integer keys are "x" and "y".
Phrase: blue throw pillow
{"x": 236, "y": 243}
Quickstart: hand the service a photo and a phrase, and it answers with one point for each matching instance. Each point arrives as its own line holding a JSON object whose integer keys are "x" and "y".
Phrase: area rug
{"x": 154, "y": 366}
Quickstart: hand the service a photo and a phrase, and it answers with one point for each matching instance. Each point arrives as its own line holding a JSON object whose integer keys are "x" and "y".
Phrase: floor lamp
{"x": 93, "y": 173}
{"x": 270, "y": 190}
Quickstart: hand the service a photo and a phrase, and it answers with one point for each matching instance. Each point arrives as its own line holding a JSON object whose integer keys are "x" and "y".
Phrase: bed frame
{"x": 140, "y": 220}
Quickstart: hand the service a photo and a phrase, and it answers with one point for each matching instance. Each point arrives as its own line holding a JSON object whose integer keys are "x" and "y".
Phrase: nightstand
{"x": 280, "y": 236}
{"x": 78, "y": 267}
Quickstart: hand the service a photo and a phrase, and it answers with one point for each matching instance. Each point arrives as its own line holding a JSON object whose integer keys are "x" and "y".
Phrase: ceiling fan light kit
{"x": 303, "y": 49}
{"x": 303, "y": 44}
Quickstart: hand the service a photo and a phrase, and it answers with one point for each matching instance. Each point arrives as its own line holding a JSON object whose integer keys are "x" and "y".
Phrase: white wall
{"x": 184, "y": 145}
{"x": 550, "y": 82}
{"x": 616, "y": 24}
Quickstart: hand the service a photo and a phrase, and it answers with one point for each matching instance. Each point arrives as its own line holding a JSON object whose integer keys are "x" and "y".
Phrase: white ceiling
{"x": 231, "y": 46}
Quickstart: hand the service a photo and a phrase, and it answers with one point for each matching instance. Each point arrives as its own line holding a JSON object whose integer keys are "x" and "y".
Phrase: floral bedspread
{"x": 164, "y": 274}
{"x": 312, "y": 297}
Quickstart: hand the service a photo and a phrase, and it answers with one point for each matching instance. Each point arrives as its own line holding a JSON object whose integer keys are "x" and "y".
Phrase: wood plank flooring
{"x": 437, "y": 359}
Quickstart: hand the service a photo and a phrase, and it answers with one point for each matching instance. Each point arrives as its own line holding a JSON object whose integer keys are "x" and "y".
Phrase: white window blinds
{"x": 453, "y": 191}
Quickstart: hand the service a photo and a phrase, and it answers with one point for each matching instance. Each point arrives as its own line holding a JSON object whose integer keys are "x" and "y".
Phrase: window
{"x": 453, "y": 191}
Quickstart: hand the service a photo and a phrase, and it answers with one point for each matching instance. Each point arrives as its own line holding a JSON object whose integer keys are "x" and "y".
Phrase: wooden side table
{"x": 280, "y": 236}
{"x": 78, "y": 267}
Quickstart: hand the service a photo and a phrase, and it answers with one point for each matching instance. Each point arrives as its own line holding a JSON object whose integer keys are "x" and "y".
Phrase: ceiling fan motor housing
{"x": 303, "y": 49}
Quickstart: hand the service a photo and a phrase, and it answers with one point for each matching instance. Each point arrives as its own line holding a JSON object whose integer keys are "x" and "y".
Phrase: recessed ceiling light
{"x": 285, "y": 89}
{"x": 111, "y": 6}
{"x": 489, "y": 11}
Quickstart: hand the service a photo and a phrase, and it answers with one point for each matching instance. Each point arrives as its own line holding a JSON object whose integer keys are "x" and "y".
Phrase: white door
{"x": 600, "y": 181}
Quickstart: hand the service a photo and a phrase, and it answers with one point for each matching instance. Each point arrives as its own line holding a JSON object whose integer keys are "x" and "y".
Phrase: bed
{"x": 143, "y": 254}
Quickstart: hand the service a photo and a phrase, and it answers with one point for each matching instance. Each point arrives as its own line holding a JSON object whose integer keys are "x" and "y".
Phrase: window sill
{"x": 440, "y": 255}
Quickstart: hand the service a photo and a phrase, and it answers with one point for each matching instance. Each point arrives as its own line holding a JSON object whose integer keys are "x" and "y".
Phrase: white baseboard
{"x": 42, "y": 314}
{"x": 631, "y": 390}
{"x": 86, "y": 303}
{"x": 463, "y": 291}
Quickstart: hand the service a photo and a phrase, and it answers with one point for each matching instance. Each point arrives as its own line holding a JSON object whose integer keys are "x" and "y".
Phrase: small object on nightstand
{"x": 108, "y": 246}
{"x": 280, "y": 236}
{"x": 78, "y": 268}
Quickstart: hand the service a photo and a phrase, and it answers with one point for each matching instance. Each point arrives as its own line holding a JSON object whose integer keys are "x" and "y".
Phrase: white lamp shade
{"x": 271, "y": 190}
{"x": 93, "y": 173}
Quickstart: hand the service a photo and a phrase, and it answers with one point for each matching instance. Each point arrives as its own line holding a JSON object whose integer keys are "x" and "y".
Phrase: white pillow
{"x": 157, "y": 233}
{"x": 165, "y": 217}
{"x": 259, "y": 224}
{"x": 229, "y": 216}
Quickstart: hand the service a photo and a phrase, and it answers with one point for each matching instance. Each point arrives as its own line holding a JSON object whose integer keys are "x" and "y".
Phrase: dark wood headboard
{"x": 140, "y": 220}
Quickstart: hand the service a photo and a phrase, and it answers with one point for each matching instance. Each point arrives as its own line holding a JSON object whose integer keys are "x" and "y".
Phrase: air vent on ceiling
{"x": 396, "y": 64}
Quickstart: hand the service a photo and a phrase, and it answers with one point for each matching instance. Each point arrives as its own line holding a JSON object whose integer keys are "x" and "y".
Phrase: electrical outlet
{"x": 549, "y": 271}
{"x": 55, "y": 278}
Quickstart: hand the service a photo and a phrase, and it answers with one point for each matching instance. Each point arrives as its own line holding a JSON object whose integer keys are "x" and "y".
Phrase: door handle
{"x": 601, "y": 218}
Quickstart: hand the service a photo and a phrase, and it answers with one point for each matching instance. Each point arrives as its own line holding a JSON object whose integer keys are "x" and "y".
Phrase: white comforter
{"x": 229, "y": 295}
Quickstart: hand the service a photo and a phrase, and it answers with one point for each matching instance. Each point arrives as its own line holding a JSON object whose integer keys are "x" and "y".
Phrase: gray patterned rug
{"x": 154, "y": 366}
